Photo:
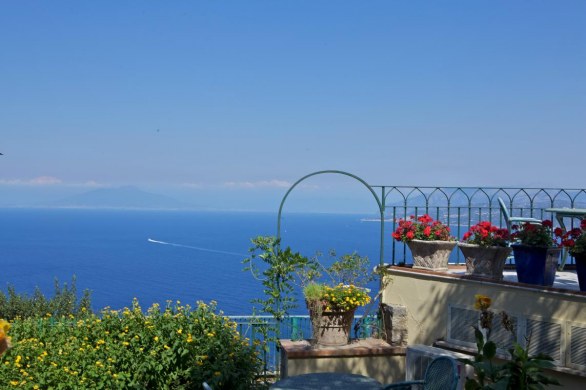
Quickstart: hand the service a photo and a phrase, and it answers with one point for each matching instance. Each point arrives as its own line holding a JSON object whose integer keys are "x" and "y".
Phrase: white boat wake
{"x": 197, "y": 248}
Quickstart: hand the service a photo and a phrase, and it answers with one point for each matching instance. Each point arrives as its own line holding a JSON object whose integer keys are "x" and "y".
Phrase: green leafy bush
{"x": 175, "y": 348}
{"x": 64, "y": 303}
{"x": 520, "y": 372}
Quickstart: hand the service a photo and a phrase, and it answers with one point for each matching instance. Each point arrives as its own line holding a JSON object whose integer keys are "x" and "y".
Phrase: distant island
{"x": 126, "y": 197}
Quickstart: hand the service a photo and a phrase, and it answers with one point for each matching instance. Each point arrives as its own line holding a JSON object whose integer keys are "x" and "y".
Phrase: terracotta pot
{"x": 431, "y": 255}
{"x": 485, "y": 262}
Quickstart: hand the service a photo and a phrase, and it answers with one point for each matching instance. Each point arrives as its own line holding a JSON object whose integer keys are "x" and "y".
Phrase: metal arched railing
{"x": 378, "y": 202}
{"x": 462, "y": 207}
{"x": 459, "y": 207}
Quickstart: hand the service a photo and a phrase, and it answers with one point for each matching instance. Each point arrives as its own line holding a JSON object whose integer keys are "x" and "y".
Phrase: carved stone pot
{"x": 331, "y": 329}
{"x": 485, "y": 262}
{"x": 431, "y": 255}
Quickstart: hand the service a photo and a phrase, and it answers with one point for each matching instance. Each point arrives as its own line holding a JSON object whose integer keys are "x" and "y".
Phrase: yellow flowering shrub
{"x": 177, "y": 347}
{"x": 344, "y": 297}
{"x": 347, "y": 271}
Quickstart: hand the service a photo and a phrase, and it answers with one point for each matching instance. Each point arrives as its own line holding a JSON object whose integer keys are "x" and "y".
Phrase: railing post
{"x": 296, "y": 333}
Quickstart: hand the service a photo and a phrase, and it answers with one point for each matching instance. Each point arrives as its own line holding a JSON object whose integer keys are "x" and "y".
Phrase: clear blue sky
{"x": 229, "y": 102}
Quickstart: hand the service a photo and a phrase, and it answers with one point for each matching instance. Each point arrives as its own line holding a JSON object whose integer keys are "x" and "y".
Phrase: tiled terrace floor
{"x": 563, "y": 279}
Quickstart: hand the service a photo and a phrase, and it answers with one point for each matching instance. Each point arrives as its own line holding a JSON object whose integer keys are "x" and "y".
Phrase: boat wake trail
{"x": 197, "y": 248}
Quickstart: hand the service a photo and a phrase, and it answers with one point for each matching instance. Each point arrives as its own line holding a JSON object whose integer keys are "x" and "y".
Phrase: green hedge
{"x": 175, "y": 348}
{"x": 63, "y": 303}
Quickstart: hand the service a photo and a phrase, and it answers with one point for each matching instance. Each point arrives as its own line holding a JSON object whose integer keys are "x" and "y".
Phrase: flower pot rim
{"x": 466, "y": 244}
{"x": 536, "y": 246}
{"x": 435, "y": 241}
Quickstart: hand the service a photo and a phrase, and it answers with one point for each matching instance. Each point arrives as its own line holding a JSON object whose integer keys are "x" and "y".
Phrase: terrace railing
{"x": 295, "y": 327}
{"x": 462, "y": 207}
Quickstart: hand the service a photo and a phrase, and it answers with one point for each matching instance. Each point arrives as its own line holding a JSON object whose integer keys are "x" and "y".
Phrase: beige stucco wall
{"x": 427, "y": 296}
{"x": 385, "y": 369}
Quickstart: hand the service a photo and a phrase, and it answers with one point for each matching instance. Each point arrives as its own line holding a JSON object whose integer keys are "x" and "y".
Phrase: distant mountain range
{"x": 127, "y": 197}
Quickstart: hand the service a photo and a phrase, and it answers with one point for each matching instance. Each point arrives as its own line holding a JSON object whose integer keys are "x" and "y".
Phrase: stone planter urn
{"x": 431, "y": 255}
{"x": 536, "y": 265}
{"x": 485, "y": 262}
{"x": 331, "y": 329}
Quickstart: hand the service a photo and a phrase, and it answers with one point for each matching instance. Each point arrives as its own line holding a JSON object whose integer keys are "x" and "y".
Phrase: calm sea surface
{"x": 161, "y": 255}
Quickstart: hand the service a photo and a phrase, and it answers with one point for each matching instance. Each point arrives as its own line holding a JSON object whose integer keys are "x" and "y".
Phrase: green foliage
{"x": 175, "y": 348}
{"x": 521, "y": 372}
{"x": 278, "y": 275}
{"x": 488, "y": 375}
{"x": 526, "y": 372}
{"x": 352, "y": 269}
{"x": 313, "y": 291}
{"x": 534, "y": 235}
{"x": 579, "y": 246}
{"x": 64, "y": 303}
{"x": 575, "y": 239}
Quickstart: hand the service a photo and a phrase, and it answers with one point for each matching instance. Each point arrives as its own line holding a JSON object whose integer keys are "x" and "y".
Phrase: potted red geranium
{"x": 485, "y": 248}
{"x": 575, "y": 240}
{"x": 537, "y": 250}
{"x": 429, "y": 241}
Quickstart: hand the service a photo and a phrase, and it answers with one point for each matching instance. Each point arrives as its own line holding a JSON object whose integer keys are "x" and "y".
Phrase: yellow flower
{"x": 4, "y": 327}
{"x": 482, "y": 302}
{"x": 156, "y": 338}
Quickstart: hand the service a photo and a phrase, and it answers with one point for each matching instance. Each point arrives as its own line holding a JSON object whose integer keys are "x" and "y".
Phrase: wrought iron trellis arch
{"x": 378, "y": 202}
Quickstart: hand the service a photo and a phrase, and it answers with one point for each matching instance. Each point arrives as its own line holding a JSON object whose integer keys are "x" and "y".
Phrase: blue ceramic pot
{"x": 536, "y": 265}
{"x": 581, "y": 270}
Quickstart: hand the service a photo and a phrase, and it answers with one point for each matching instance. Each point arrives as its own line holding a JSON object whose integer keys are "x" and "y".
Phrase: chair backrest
{"x": 441, "y": 374}
{"x": 505, "y": 213}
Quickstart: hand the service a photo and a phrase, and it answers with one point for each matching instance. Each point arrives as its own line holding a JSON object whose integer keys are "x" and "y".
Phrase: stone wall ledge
{"x": 356, "y": 348}
{"x": 455, "y": 276}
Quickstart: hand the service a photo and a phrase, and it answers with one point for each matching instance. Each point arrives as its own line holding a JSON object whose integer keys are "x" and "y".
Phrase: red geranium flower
{"x": 427, "y": 231}
{"x": 421, "y": 228}
{"x": 486, "y": 234}
{"x": 543, "y": 235}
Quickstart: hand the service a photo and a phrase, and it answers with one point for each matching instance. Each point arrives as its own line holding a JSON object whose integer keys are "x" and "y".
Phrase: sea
{"x": 160, "y": 256}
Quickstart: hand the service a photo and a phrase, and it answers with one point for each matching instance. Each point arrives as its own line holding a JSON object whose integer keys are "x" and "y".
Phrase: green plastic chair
{"x": 441, "y": 374}
{"x": 514, "y": 220}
